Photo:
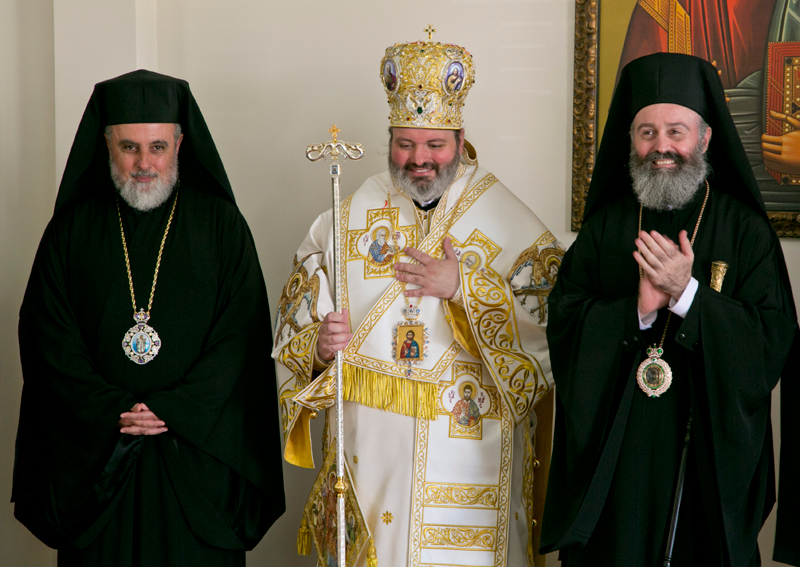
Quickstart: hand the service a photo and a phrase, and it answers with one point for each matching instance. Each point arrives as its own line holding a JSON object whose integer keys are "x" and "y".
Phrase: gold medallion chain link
{"x": 158, "y": 261}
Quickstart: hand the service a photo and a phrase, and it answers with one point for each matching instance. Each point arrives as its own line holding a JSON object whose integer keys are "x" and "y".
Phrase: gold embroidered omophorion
{"x": 410, "y": 338}
{"x": 435, "y": 411}
{"x": 142, "y": 343}
{"x": 486, "y": 369}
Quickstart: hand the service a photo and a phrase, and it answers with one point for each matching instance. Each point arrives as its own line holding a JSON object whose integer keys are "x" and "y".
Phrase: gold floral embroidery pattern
{"x": 505, "y": 487}
{"x": 467, "y": 369}
{"x": 297, "y": 355}
{"x": 319, "y": 394}
{"x": 491, "y": 306}
{"x": 458, "y": 431}
{"x": 439, "y": 212}
{"x": 457, "y": 537}
{"x": 298, "y": 358}
{"x": 387, "y": 517}
{"x": 431, "y": 245}
{"x": 489, "y": 249}
{"x": 394, "y": 370}
{"x": 527, "y": 486}
{"x": 452, "y": 495}
{"x": 421, "y": 532}
{"x": 420, "y": 461}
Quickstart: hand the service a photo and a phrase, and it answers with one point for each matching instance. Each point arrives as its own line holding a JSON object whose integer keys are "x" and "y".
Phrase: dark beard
{"x": 664, "y": 189}
{"x": 424, "y": 190}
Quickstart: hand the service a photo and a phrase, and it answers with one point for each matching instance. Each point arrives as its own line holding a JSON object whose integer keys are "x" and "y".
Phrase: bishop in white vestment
{"x": 445, "y": 282}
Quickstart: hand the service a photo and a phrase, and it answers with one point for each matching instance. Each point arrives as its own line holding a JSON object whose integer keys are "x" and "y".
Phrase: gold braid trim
{"x": 390, "y": 393}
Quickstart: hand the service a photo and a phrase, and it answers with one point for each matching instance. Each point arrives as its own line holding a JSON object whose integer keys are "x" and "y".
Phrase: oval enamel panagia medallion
{"x": 654, "y": 375}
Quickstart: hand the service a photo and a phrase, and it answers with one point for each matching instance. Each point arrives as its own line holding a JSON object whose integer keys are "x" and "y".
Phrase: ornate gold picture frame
{"x": 588, "y": 115}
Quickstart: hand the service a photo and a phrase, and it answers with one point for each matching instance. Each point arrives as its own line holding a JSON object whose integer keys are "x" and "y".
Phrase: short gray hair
{"x": 702, "y": 127}
{"x": 107, "y": 132}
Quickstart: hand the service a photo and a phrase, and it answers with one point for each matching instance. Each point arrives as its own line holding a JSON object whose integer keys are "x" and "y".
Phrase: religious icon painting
{"x": 454, "y": 77}
{"x": 534, "y": 274}
{"x": 380, "y": 244}
{"x": 410, "y": 343}
{"x": 381, "y": 251}
{"x": 298, "y": 299}
{"x": 141, "y": 343}
{"x": 477, "y": 252}
{"x": 321, "y": 513}
{"x": 467, "y": 403}
{"x": 390, "y": 75}
{"x": 782, "y": 87}
{"x": 471, "y": 260}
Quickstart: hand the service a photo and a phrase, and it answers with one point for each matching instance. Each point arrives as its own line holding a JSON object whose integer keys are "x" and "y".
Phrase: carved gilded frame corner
{"x": 584, "y": 123}
{"x": 584, "y": 105}
{"x": 785, "y": 223}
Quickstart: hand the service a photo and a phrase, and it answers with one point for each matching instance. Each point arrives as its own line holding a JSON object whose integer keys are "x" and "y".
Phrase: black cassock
{"x": 616, "y": 451}
{"x": 209, "y": 488}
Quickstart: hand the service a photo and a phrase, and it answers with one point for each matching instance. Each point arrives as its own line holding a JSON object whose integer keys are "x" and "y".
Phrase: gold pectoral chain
{"x": 142, "y": 343}
{"x": 662, "y": 379}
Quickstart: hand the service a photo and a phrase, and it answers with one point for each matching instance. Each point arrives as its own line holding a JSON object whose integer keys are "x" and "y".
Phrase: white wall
{"x": 27, "y": 194}
{"x": 270, "y": 77}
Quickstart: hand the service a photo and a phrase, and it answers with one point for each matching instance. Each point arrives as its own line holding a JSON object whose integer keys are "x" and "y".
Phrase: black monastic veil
{"x": 209, "y": 488}
{"x": 616, "y": 451}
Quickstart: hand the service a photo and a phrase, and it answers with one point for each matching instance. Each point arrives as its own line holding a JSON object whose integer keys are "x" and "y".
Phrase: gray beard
{"x": 145, "y": 196}
{"x": 425, "y": 190}
{"x": 663, "y": 189}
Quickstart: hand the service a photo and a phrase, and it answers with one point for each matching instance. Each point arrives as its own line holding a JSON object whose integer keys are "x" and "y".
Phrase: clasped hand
{"x": 666, "y": 267}
{"x": 141, "y": 421}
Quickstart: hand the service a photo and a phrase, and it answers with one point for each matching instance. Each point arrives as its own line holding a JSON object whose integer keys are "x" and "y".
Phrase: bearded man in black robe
{"x": 147, "y": 440}
{"x": 672, "y": 193}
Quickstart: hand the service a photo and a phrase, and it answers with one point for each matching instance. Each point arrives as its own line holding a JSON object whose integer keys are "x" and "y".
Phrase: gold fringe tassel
{"x": 372, "y": 554}
{"x": 304, "y": 538}
{"x": 390, "y": 393}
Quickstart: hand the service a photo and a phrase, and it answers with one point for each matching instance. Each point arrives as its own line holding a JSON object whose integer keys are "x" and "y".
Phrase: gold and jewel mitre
{"x": 427, "y": 83}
